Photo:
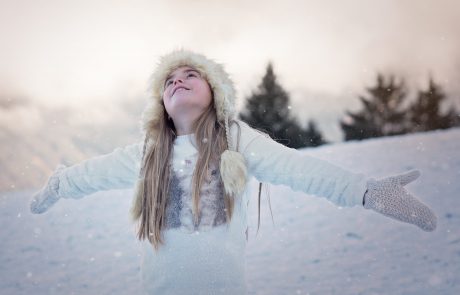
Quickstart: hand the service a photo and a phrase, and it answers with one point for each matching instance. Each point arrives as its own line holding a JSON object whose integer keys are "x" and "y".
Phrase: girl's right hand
{"x": 48, "y": 195}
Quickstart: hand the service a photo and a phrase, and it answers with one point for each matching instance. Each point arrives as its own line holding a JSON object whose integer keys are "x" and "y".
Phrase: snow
{"x": 88, "y": 246}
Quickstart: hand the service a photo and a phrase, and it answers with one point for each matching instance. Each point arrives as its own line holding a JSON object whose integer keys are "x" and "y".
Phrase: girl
{"x": 190, "y": 175}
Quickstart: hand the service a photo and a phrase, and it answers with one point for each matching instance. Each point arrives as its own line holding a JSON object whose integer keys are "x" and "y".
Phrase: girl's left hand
{"x": 389, "y": 197}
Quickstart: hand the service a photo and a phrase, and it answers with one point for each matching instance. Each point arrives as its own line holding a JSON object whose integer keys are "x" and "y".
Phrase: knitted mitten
{"x": 48, "y": 195}
{"x": 388, "y": 197}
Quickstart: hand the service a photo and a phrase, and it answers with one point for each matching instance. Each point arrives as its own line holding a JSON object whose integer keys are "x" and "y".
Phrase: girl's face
{"x": 186, "y": 94}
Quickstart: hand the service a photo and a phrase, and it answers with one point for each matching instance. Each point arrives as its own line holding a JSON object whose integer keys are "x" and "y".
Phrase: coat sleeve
{"x": 270, "y": 161}
{"x": 116, "y": 170}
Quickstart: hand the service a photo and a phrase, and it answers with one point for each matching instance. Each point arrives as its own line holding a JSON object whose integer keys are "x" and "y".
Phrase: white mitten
{"x": 48, "y": 195}
{"x": 388, "y": 197}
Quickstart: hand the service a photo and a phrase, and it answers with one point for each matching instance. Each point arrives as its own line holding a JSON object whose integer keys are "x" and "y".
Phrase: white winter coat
{"x": 212, "y": 261}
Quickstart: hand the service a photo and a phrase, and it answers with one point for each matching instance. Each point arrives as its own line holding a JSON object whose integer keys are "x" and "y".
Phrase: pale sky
{"x": 82, "y": 53}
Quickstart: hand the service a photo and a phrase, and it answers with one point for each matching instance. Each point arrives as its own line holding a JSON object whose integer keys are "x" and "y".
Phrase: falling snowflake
{"x": 117, "y": 254}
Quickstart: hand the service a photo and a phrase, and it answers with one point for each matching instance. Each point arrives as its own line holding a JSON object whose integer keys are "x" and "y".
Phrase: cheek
{"x": 166, "y": 103}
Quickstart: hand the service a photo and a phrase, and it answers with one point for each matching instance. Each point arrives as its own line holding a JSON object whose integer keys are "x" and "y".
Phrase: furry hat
{"x": 232, "y": 164}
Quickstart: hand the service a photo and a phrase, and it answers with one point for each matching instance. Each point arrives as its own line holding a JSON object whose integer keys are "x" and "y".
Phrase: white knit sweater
{"x": 209, "y": 257}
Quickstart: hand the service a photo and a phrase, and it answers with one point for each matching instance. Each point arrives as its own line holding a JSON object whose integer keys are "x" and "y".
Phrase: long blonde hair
{"x": 155, "y": 171}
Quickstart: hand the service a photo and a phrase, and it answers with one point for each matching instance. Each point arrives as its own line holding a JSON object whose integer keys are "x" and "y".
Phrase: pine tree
{"x": 268, "y": 109}
{"x": 315, "y": 136}
{"x": 425, "y": 113}
{"x": 381, "y": 114}
{"x": 299, "y": 137}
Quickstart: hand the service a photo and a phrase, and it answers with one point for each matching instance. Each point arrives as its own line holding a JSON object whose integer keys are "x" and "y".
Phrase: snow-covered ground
{"x": 89, "y": 247}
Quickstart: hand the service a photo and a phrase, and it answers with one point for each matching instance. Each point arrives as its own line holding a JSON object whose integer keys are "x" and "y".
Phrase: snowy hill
{"x": 88, "y": 246}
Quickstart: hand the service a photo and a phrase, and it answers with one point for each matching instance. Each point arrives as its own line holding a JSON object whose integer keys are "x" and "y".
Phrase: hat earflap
{"x": 232, "y": 168}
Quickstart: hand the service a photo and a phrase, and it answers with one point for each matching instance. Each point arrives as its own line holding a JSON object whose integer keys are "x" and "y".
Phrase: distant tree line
{"x": 383, "y": 113}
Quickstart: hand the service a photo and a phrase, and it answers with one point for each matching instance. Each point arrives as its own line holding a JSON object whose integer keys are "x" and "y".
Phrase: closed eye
{"x": 168, "y": 82}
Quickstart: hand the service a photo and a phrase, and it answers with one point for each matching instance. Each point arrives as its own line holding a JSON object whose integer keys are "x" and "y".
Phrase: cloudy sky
{"x": 91, "y": 53}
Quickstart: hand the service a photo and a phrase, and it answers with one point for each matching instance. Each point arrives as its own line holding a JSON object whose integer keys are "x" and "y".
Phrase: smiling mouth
{"x": 179, "y": 89}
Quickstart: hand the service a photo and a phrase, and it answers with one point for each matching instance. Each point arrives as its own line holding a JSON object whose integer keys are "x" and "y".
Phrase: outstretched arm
{"x": 272, "y": 162}
{"x": 116, "y": 170}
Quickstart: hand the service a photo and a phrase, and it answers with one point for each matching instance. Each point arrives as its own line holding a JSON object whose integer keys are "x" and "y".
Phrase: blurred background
{"x": 74, "y": 74}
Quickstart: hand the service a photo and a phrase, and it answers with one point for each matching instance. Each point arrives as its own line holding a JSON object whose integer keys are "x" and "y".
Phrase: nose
{"x": 178, "y": 79}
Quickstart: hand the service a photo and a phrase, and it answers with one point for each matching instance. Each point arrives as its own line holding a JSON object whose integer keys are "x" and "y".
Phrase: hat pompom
{"x": 233, "y": 172}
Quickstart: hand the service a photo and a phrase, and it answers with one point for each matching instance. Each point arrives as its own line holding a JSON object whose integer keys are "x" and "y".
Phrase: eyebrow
{"x": 186, "y": 71}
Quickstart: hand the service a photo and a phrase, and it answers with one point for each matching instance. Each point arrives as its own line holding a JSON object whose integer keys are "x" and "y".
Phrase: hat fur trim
{"x": 221, "y": 85}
